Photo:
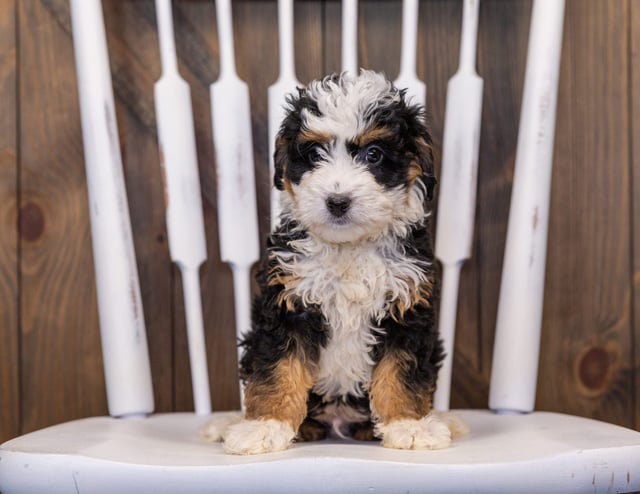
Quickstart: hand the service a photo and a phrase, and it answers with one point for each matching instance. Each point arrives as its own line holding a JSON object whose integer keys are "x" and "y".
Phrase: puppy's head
{"x": 353, "y": 158}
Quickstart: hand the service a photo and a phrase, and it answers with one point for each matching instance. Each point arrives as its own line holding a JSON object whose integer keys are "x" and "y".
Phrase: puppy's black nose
{"x": 338, "y": 205}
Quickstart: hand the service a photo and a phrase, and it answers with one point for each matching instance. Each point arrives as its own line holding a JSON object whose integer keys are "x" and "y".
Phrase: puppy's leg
{"x": 275, "y": 408}
{"x": 362, "y": 431}
{"x": 401, "y": 411}
{"x": 312, "y": 430}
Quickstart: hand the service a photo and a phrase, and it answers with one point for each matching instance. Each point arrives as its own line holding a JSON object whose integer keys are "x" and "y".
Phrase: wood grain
{"x": 634, "y": 60}
{"x": 586, "y": 362}
{"x": 60, "y": 362}
{"x": 9, "y": 318}
{"x": 380, "y": 34}
{"x": 308, "y": 30}
{"x": 332, "y": 37}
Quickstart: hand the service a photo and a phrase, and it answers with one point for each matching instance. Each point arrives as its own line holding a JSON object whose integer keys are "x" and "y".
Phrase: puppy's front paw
{"x": 456, "y": 425}
{"x": 216, "y": 428}
{"x": 426, "y": 433}
{"x": 252, "y": 437}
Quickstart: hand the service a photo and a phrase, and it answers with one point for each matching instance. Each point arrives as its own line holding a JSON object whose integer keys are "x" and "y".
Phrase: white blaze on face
{"x": 369, "y": 213}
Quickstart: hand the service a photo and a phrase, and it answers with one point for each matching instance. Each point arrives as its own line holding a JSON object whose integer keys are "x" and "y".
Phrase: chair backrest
{"x": 123, "y": 333}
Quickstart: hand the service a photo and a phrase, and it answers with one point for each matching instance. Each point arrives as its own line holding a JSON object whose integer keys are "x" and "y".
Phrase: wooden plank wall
{"x": 634, "y": 60}
{"x": 10, "y": 403}
{"x": 50, "y": 362}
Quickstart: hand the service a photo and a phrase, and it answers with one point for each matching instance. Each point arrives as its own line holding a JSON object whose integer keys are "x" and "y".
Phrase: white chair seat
{"x": 538, "y": 452}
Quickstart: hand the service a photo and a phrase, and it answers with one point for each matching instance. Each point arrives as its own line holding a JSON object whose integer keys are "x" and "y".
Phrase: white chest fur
{"x": 354, "y": 285}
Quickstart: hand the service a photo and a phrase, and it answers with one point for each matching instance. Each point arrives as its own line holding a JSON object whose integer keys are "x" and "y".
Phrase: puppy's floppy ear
{"x": 424, "y": 157}
{"x": 280, "y": 159}
{"x": 289, "y": 129}
{"x": 420, "y": 144}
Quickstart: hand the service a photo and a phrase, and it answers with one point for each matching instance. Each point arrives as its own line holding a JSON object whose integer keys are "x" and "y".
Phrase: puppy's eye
{"x": 373, "y": 155}
{"x": 314, "y": 155}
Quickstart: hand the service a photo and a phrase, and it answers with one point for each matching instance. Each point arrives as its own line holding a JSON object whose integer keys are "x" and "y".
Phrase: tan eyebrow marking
{"x": 372, "y": 135}
{"x": 308, "y": 135}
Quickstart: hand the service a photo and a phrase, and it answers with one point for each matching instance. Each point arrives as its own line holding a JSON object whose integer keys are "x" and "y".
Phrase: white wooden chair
{"x": 514, "y": 450}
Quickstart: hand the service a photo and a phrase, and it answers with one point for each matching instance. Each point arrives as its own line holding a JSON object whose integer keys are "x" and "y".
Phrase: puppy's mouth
{"x": 340, "y": 221}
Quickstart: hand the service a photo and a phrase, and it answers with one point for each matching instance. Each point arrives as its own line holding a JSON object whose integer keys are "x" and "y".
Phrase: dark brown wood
{"x": 61, "y": 362}
{"x": 308, "y": 29}
{"x": 9, "y": 317}
{"x": 332, "y": 38}
{"x": 586, "y": 365}
{"x": 634, "y": 173}
{"x": 380, "y": 34}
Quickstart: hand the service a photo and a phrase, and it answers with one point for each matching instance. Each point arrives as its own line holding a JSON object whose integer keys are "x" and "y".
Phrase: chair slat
{"x": 458, "y": 185}
{"x": 185, "y": 222}
{"x": 350, "y": 36}
{"x": 232, "y": 137}
{"x": 517, "y": 342}
{"x": 124, "y": 340}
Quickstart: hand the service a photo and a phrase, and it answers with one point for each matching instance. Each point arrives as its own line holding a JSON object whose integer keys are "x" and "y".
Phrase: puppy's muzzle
{"x": 338, "y": 205}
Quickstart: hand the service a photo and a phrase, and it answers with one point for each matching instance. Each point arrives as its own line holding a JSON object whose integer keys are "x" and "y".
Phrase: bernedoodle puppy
{"x": 344, "y": 339}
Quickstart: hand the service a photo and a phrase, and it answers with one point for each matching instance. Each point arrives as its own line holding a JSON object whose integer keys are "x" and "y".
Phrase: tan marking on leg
{"x": 390, "y": 397}
{"x": 284, "y": 396}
